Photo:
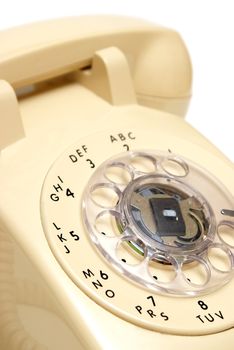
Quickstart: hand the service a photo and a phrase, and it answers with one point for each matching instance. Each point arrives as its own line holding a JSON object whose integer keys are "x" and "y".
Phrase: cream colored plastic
{"x": 10, "y": 119}
{"x": 174, "y": 315}
{"x": 109, "y": 72}
{"x": 68, "y": 44}
{"x": 64, "y": 114}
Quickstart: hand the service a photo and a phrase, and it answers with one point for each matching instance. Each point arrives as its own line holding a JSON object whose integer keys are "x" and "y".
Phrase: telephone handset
{"x": 117, "y": 217}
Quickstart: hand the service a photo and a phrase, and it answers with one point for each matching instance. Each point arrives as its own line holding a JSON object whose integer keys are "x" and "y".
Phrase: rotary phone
{"x": 116, "y": 216}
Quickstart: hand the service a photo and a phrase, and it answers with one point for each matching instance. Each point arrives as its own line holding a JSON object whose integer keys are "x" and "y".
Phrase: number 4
{"x": 69, "y": 193}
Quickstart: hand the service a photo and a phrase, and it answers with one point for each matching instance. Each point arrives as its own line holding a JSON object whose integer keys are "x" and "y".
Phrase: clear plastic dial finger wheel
{"x": 158, "y": 219}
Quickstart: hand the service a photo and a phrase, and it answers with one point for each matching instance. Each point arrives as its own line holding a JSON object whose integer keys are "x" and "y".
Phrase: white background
{"x": 207, "y": 28}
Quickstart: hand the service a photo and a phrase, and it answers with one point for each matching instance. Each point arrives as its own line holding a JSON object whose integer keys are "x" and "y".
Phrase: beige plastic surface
{"x": 109, "y": 73}
{"x": 63, "y": 113}
{"x": 61, "y": 215}
{"x": 79, "y": 309}
{"x": 24, "y": 297}
{"x": 10, "y": 120}
{"x": 43, "y": 50}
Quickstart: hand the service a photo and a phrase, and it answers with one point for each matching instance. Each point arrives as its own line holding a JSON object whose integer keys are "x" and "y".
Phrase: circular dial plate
{"x": 145, "y": 217}
{"x": 61, "y": 209}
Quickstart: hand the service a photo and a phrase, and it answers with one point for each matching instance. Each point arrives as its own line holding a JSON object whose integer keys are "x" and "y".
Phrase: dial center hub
{"x": 167, "y": 214}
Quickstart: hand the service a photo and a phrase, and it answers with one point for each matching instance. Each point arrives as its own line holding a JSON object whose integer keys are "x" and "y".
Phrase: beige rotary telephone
{"x": 116, "y": 216}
